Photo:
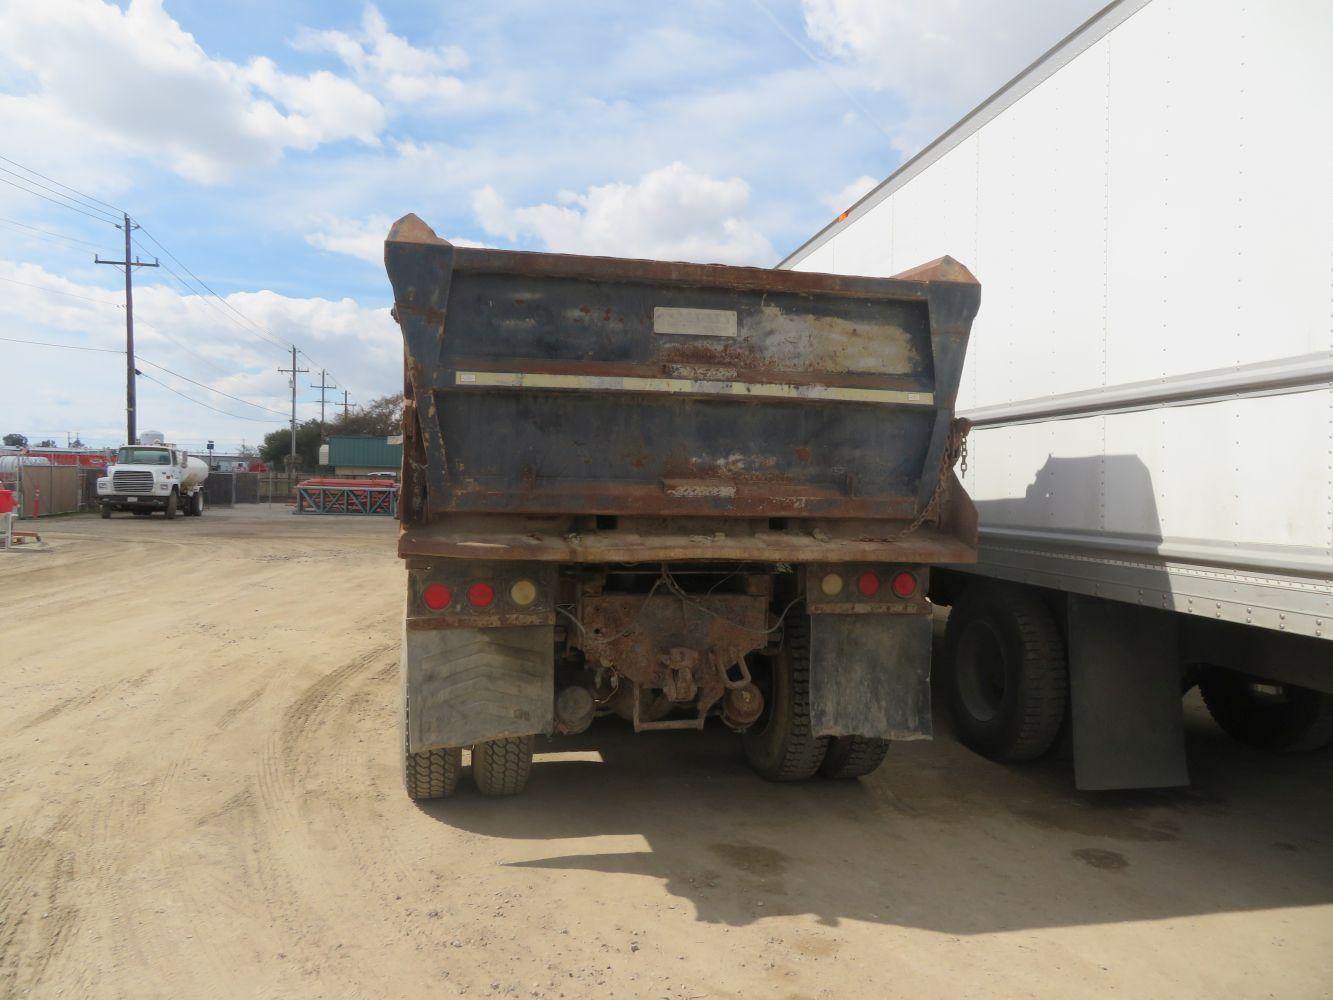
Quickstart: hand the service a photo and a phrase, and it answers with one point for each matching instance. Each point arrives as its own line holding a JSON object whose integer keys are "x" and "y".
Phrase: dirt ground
{"x": 200, "y": 796}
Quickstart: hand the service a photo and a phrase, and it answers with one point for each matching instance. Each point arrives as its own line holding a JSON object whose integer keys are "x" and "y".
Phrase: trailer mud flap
{"x": 1124, "y": 692}
{"x": 870, "y": 675}
{"x": 463, "y": 685}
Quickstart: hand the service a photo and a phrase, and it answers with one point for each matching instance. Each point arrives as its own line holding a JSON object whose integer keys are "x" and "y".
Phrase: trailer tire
{"x": 1295, "y": 719}
{"x": 853, "y": 756}
{"x": 781, "y": 745}
{"x": 106, "y": 512}
{"x": 501, "y": 767}
{"x": 197, "y": 504}
{"x": 172, "y": 502}
{"x": 430, "y": 774}
{"x": 1008, "y": 679}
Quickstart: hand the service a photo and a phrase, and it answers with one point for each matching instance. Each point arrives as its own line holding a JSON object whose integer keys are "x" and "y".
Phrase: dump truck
{"x": 674, "y": 492}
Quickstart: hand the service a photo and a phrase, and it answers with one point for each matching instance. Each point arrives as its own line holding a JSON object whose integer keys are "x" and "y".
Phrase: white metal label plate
{"x": 694, "y": 322}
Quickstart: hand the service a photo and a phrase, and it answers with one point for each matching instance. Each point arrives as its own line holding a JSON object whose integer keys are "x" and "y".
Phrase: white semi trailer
{"x": 145, "y": 478}
{"x": 1149, "y": 210}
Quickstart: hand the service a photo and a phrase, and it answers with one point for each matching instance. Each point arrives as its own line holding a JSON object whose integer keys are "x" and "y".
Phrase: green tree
{"x": 48, "y": 443}
{"x": 278, "y": 445}
{"x": 378, "y": 418}
{"x": 16, "y": 441}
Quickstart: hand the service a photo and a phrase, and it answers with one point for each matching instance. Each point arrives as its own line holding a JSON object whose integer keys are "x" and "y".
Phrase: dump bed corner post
{"x": 954, "y": 296}
{"x": 421, "y": 267}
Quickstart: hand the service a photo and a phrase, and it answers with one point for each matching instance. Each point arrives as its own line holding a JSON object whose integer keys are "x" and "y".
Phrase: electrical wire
{"x": 73, "y": 206}
{"x": 234, "y": 416}
{"x": 68, "y": 347}
{"x": 85, "y": 197}
{"x": 201, "y": 385}
{"x": 47, "y": 232}
{"x": 140, "y": 358}
{"x": 56, "y": 291}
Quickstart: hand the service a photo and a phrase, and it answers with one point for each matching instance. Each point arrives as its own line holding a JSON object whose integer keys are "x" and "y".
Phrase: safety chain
{"x": 955, "y": 447}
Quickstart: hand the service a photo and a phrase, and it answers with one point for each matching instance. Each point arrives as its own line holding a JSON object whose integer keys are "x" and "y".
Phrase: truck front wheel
{"x": 172, "y": 501}
{"x": 780, "y": 746}
{"x": 1268, "y": 715}
{"x": 106, "y": 511}
{"x": 1007, "y": 681}
{"x": 501, "y": 767}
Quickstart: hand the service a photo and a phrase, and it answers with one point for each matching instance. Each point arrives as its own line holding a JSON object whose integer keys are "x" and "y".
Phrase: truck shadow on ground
{"x": 938, "y": 838}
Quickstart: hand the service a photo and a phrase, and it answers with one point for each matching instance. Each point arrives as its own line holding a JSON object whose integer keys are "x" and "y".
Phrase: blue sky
{"x": 267, "y": 146}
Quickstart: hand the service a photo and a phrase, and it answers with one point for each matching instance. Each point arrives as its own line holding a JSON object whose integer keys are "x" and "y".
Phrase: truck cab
{"x": 145, "y": 478}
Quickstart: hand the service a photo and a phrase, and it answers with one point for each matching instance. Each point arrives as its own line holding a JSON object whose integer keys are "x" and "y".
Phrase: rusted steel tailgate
{"x": 545, "y": 384}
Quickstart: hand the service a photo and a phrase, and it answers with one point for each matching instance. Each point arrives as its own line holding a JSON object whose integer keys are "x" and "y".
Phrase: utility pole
{"x": 294, "y": 371}
{"x": 347, "y": 407}
{"x": 322, "y": 387}
{"x": 131, "y": 432}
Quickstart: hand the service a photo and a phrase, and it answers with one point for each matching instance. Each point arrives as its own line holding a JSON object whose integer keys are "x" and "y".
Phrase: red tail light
{"x": 867, "y": 584}
{"x": 480, "y": 595}
{"x": 904, "y": 584}
{"x": 437, "y": 597}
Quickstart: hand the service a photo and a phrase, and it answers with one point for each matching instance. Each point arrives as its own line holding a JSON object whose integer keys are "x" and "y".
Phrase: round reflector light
{"x": 523, "y": 593}
{"x": 437, "y": 597}
{"x": 831, "y": 585}
{"x": 904, "y": 584}
{"x": 867, "y": 584}
{"x": 480, "y": 595}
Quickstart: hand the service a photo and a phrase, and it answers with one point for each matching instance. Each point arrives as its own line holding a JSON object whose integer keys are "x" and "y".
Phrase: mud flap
{"x": 464, "y": 685}
{"x": 1124, "y": 693}
{"x": 870, "y": 676}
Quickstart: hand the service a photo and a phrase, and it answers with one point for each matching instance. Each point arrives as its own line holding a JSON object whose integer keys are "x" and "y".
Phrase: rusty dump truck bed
{"x": 597, "y": 409}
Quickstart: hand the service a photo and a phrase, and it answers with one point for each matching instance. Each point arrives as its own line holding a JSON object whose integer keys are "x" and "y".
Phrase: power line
{"x": 234, "y": 416}
{"x": 164, "y": 368}
{"x": 201, "y": 385}
{"x": 67, "y": 203}
{"x": 202, "y": 297}
{"x": 47, "y": 232}
{"x": 57, "y": 291}
{"x": 185, "y": 347}
{"x": 85, "y": 197}
{"x": 68, "y": 347}
{"x": 264, "y": 333}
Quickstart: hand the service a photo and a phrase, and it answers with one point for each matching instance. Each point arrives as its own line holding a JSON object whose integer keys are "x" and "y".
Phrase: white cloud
{"x": 850, "y": 194}
{"x": 194, "y": 336}
{"x": 941, "y": 57}
{"x": 135, "y": 81}
{"x": 672, "y": 213}
{"x": 389, "y": 63}
{"x": 361, "y": 238}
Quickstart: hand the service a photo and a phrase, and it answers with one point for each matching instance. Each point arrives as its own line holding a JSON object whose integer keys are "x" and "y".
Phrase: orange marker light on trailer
{"x": 904, "y": 584}
{"x": 480, "y": 595}
{"x": 437, "y": 597}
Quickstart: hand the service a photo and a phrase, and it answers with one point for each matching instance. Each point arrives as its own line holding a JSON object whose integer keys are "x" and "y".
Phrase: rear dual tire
{"x": 781, "y": 745}
{"x": 1267, "y": 715}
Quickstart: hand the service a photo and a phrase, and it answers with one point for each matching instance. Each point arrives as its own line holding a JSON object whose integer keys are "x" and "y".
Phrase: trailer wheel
{"x": 1008, "y": 680}
{"x": 1268, "y": 715}
{"x": 780, "y": 746}
{"x": 106, "y": 511}
{"x": 853, "y": 756}
{"x": 172, "y": 502}
{"x": 430, "y": 774}
{"x": 197, "y": 504}
{"x": 501, "y": 767}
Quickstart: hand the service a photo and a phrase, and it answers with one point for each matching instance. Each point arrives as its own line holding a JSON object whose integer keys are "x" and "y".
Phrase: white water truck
{"x": 149, "y": 477}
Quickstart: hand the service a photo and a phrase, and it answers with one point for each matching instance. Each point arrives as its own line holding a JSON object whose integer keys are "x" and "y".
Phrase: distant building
{"x": 363, "y": 455}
